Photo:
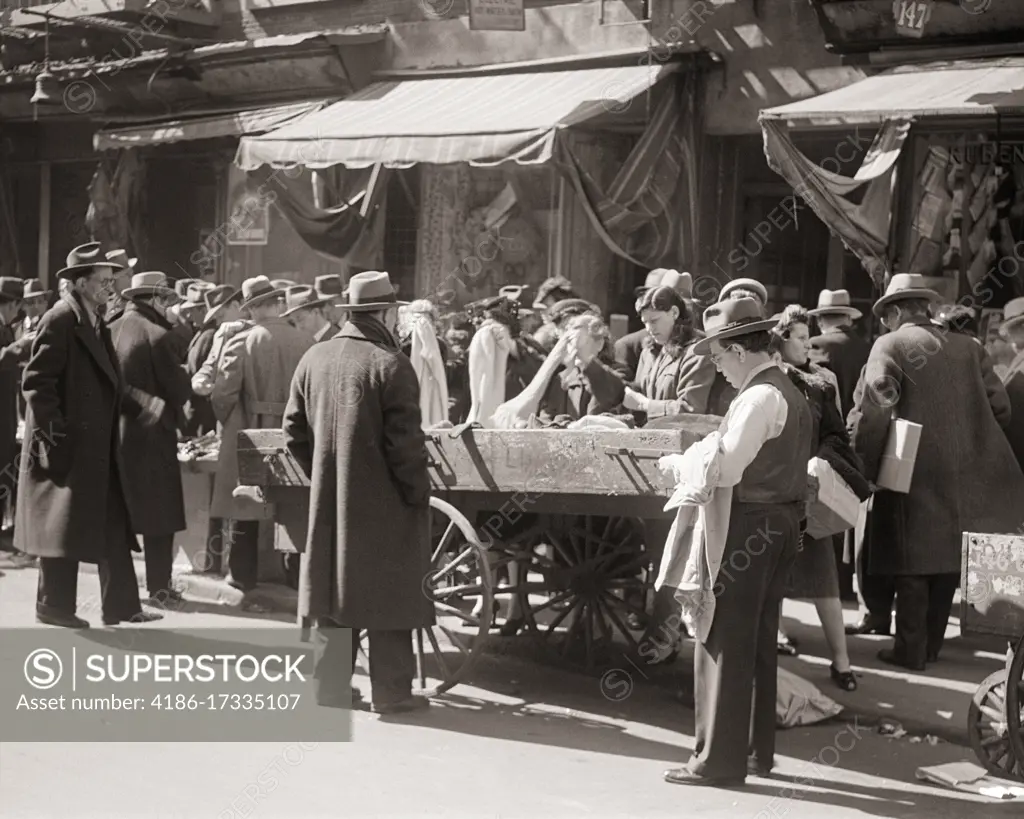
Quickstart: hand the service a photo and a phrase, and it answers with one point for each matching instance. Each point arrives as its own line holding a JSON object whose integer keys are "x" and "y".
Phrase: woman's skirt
{"x": 814, "y": 574}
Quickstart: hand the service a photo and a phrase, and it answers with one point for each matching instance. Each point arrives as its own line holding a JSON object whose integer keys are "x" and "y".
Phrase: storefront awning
{"x": 956, "y": 89}
{"x": 481, "y": 120}
{"x": 229, "y": 124}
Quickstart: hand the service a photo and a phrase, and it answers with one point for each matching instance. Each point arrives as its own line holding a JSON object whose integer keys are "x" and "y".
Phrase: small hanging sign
{"x": 497, "y": 15}
{"x": 912, "y": 16}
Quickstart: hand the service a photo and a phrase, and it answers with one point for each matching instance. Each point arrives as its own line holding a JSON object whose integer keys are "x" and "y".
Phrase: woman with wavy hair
{"x": 814, "y": 575}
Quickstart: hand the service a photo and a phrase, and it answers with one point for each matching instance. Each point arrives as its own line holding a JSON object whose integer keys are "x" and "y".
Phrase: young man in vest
{"x": 765, "y": 446}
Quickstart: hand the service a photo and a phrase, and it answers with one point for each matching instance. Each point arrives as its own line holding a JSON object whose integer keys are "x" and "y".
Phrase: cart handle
{"x": 639, "y": 454}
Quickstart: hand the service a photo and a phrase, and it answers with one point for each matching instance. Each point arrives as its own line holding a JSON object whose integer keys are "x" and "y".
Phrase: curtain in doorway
{"x": 114, "y": 194}
{"x": 648, "y": 214}
{"x": 348, "y": 224}
{"x": 857, "y": 209}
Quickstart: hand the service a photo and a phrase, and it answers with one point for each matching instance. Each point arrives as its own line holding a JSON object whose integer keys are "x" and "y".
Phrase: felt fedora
{"x": 181, "y": 286}
{"x": 283, "y": 284}
{"x": 194, "y": 293}
{"x": 302, "y": 297}
{"x": 730, "y": 318}
{"x": 257, "y": 290}
{"x": 682, "y": 283}
{"x": 835, "y": 302}
{"x": 11, "y": 289}
{"x": 330, "y": 287}
{"x": 904, "y": 286}
{"x": 371, "y": 290}
{"x": 33, "y": 289}
{"x": 121, "y": 257}
{"x": 744, "y": 284}
{"x": 219, "y": 297}
{"x": 149, "y": 283}
{"x": 1013, "y": 315}
{"x": 570, "y": 308}
{"x": 83, "y": 260}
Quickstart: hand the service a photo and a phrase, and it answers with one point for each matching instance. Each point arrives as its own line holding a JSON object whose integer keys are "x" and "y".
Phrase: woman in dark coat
{"x": 156, "y": 389}
{"x": 814, "y": 575}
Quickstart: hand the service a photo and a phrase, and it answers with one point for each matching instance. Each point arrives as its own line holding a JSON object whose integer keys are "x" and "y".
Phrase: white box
{"x": 899, "y": 457}
{"x": 836, "y": 508}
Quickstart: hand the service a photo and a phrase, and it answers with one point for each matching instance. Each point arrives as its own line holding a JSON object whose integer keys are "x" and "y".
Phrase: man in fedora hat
{"x": 14, "y": 353}
{"x": 722, "y": 392}
{"x": 966, "y": 478}
{"x": 156, "y": 388}
{"x": 765, "y": 444}
{"x": 71, "y": 499}
{"x": 353, "y": 423}
{"x": 35, "y": 301}
{"x": 332, "y": 288}
{"x": 125, "y": 269}
{"x": 217, "y": 304}
{"x": 307, "y": 311}
{"x": 250, "y": 391}
{"x": 630, "y": 346}
{"x": 841, "y": 349}
{"x": 1012, "y": 329}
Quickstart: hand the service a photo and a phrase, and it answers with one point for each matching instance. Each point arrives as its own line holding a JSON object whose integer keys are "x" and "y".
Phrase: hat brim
{"x": 703, "y": 347}
{"x": 211, "y": 314}
{"x": 255, "y": 301}
{"x": 33, "y": 296}
{"x": 293, "y": 310}
{"x": 1008, "y": 323}
{"x": 370, "y": 306}
{"x": 67, "y": 272}
{"x": 852, "y": 312}
{"x": 149, "y": 290}
{"x": 904, "y": 295}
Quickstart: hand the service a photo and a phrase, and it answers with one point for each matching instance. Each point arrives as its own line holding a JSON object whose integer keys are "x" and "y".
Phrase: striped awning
{"x": 483, "y": 120}
{"x": 953, "y": 89}
{"x": 211, "y": 126}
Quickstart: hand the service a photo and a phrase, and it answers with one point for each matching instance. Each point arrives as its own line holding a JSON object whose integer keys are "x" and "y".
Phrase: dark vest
{"x": 779, "y": 472}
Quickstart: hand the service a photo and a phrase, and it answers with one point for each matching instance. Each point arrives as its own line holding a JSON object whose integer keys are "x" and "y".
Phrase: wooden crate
{"x": 992, "y": 585}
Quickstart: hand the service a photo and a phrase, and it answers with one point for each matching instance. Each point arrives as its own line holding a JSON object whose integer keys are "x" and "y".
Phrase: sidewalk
{"x": 932, "y": 703}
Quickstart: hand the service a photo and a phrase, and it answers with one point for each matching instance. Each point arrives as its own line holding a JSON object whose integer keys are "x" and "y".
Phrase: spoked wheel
{"x": 1015, "y": 706}
{"x": 580, "y": 583}
{"x": 459, "y": 583}
{"x": 989, "y": 729}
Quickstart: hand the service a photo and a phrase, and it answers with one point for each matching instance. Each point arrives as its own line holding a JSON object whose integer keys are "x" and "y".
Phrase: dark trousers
{"x": 878, "y": 591}
{"x": 392, "y": 663}
{"x": 57, "y": 593}
{"x": 159, "y": 551}
{"x": 735, "y": 669}
{"x": 923, "y": 605}
{"x": 243, "y": 552}
{"x": 655, "y": 535}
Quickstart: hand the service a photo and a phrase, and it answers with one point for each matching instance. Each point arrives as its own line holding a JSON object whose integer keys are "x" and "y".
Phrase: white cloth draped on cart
{"x": 488, "y": 358}
{"x": 429, "y": 367}
{"x": 696, "y": 542}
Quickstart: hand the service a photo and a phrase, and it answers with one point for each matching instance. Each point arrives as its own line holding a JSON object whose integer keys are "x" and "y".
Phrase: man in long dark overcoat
{"x": 1012, "y": 329}
{"x": 156, "y": 387}
{"x": 71, "y": 505}
{"x": 844, "y": 351}
{"x": 353, "y": 423}
{"x": 965, "y": 478}
{"x": 13, "y": 353}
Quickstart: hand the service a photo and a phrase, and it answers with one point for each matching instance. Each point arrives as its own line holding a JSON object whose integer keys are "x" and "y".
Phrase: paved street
{"x": 522, "y": 740}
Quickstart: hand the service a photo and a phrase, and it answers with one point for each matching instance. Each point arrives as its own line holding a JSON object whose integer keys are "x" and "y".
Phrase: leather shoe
{"x": 62, "y": 620}
{"x": 869, "y": 626}
{"x": 139, "y": 617}
{"x": 933, "y": 657}
{"x": 684, "y": 776}
{"x": 755, "y": 768}
{"x": 890, "y": 657}
{"x": 406, "y": 706}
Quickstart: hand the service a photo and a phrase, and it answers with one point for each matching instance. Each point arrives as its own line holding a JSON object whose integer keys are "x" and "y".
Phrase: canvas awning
{"x": 482, "y": 120}
{"x": 953, "y": 89}
{"x": 209, "y": 126}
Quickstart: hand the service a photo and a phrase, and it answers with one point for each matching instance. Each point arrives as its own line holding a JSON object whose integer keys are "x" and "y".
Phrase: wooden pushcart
{"x": 992, "y": 584}
{"x": 557, "y": 514}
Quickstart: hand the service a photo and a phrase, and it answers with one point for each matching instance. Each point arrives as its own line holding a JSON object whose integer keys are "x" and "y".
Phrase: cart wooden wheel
{"x": 577, "y": 595}
{"x": 459, "y": 579}
{"x": 989, "y": 730}
{"x": 1015, "y": 705}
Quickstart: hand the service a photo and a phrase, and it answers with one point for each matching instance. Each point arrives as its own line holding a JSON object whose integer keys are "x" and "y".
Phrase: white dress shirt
{"x": 755, "y": 416}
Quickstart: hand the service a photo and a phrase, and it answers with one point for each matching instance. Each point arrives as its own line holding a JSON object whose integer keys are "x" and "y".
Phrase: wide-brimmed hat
{"x": 682, "y": 283}
{"x": 570, "y": 308}
{"x": 219, "y": 297}
{"x": 194, "y": 293}
{"x": 835, "y": 302}
{"x": 1013, "y": 315}
{"x": 330, "y": 287}
{"x": 371, "y": 290}
{"x": 257, "y": 290}
{"x": 33, "y": 289}
{"x": 283, "y": 284}
{"x": 149, "y": 283}
{"x": 83, "y": 259}
{"x": 302, "y": 297}
{"x": 181, "y": 286}
{"x": 744, "y": 284}
{"x": 11, "y": 289}
{"x": 121, "y": 257}
{"x": 904, "y": 286}
{"x": 730, "y": 318}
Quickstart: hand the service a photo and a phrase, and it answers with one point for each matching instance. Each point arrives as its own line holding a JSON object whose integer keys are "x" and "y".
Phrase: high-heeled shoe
{"x": 844, "y": 679}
